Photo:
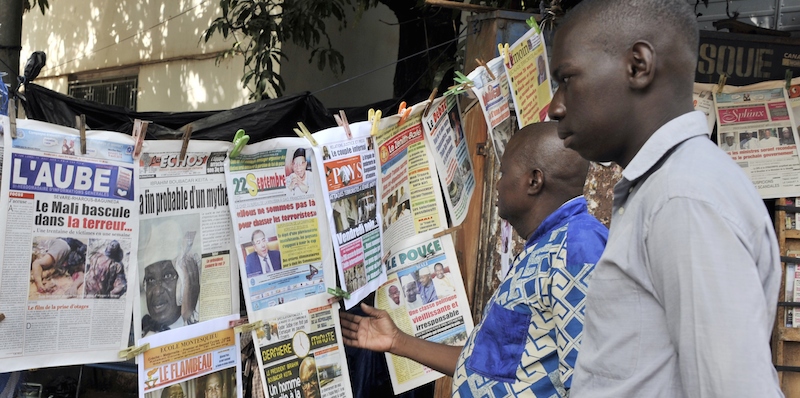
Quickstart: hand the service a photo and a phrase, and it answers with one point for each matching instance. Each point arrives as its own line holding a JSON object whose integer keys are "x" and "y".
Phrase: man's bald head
{"x": 537, "y": 146}
{"x": 538, "y": 175}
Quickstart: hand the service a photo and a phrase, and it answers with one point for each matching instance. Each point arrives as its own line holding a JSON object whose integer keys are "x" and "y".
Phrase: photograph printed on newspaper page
{"x": 300, "y": 351}
{"x": 279, "y": 222}
{"x": 350, "y": 187}
{"x": 200, "y": 360}
{"x": 756, "y": 127}
{"x": 425, "y": 297}
{"x": 493, "y": 96}
{"x": 69, "y": 235}
{"x": 188, "y": 268}
{"x": 703, "y": 100}
{"x": 411, "y": 201}
{"x": 444, "y": 135}
{"x": 529, "y": 77}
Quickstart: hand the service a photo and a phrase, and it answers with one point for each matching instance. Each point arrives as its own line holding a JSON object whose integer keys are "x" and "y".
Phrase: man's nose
{"x": 557, "y": 109}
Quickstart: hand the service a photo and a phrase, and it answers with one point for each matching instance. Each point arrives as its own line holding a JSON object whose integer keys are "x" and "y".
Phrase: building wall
{"x": 177, "y": 71}
{"x": 366, "y": 44}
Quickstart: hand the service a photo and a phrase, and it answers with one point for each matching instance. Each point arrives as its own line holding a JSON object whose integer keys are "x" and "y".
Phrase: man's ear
{"x": 535, "y": 182}
{"x": 641, "y": 64}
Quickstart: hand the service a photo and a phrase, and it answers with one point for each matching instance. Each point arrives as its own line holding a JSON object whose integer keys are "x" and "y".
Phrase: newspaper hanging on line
{"x": 201, "y": 360}
{"x": 444, "y": 134}
{"x": 188, "y": 268}
{"x": 703, "y": 100}
{"x": 756, "y": 128}
{"x": 529, "y": 77}
{"x": 279, "y": 221}
{"x": 69, "y": 234}
{"x": 425, "y": 297}
{"x": 411, "y": 201}
{"x": 350, "y": 187}
{"x": 300, "y": 350}
{"x": 493, "y": 96}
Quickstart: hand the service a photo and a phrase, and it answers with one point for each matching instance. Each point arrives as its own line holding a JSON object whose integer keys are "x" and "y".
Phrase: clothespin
{"x": 239, "y": 141}
{"x": 788, "y": 78}
{"x": 302, "y": 131}
{"x": 341, "y": 120}
{"x": 483, "y": 64}
{"x": 258, "y": 326}
{"x": 12, "y": 118}
{"x": 187, "y": 133}
{"x": 462, "y": 84}
{"x": 723, "y": 78}
{"x": 374, "y": 117}
{"x": 403, "y": 112}
{"x": 80, "y": 122}
{"x": 502, "y": 49}
{"x": 337, "y": 294}
{"x": 533, "y": 24}
{"x": 133, "y": 351}
{"x": 139, "y": 131}
{"x": 447, "y": 231}
{"x": 430, "y": 101}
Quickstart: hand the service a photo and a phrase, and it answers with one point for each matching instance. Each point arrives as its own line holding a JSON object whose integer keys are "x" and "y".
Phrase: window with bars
{"x": 119, "y": 91}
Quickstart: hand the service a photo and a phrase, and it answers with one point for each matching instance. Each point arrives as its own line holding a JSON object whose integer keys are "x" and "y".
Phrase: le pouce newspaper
{"x": 425, "y": 297}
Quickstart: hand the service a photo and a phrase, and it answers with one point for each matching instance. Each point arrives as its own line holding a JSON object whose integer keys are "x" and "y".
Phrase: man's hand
{"x": 376, "y": 331}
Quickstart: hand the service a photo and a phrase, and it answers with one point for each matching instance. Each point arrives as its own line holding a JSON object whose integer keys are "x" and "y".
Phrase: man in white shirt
{"x": 766, "y": 139}
{"x": 728, "y": 143}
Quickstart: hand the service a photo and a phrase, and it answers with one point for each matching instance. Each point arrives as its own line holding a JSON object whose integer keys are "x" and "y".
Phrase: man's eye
{"x": 170, "y": 277}
{"x": 149, "y": 280}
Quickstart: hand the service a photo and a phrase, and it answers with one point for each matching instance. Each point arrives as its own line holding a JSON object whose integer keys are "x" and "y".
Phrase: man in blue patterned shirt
{"x": 527, "y": 342}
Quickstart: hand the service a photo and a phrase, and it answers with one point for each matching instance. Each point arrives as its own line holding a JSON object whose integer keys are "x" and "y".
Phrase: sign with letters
{"x": 746, "y": 59}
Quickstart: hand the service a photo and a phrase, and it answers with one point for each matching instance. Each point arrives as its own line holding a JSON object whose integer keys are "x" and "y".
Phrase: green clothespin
{"x": 463, "y": 84}
{"x": 788, "y": 78}
{"x": 533, "y": 24}
{"x": 338, "y": 293}
{"x": 239, "y": 141}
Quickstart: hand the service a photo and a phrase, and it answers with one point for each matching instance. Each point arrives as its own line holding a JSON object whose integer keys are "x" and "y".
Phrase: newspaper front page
{"x": 529, "y": 78}
{"x": 493, "y": 96}
{"x": 444, "y": 134}
{"x": 757, "y": 129}
{"x": 188, "y": 267}
{"x": 300, "y": 351}
{"x": 279, "y": 221}
{"x": 411, "y": 201}
{"x": 425, "y": 297}
{"x": 703, "y": 97}
{"x": 201, "y": 360}
{"x": 69, "y": 228}
{"x": 351, "y": 189}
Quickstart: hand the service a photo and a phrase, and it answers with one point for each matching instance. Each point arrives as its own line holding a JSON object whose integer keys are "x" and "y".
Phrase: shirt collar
{"x": 663, "y": 140}
{"x": 570, "y": 208}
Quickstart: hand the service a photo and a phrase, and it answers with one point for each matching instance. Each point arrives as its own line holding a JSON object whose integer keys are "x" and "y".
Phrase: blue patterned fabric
{"x": 527, "y": 341}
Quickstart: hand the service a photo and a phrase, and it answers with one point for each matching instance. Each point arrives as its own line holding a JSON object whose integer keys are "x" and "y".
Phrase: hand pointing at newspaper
{"x": 377, "y": 332}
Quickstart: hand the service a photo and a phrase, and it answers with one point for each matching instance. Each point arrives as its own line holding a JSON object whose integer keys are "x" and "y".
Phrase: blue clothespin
{"x": 239, "y": 141}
